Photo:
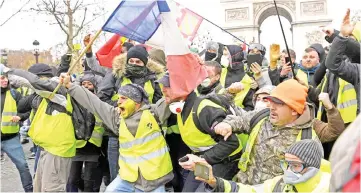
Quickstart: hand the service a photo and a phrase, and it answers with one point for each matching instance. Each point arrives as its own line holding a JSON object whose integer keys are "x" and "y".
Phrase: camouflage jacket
{"x": 270, "y": 145}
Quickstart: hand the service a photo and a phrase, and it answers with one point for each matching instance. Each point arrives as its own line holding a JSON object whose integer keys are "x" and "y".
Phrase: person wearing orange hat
{"x": 271, "y": 131}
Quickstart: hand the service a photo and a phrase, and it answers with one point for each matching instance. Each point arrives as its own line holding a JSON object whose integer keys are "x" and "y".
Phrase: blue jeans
{"x": 37, "y": 156}
{"x": 119, "y": 185}
{"x": 15, "y": 152}
{"x": 113, "y": 156}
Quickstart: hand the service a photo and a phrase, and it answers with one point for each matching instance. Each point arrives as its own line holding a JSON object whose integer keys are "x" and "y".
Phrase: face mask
{"x": 128, "y": 108}
{"x": 135, "y": 70}
{"x": 225, "y": 61}
{"x": 176, "y": 107}
{"x": 206, "y": 83}
{"x": 260, "y": 105}
{"x": 292, "y": 178}
{"x": 210, "y": 56}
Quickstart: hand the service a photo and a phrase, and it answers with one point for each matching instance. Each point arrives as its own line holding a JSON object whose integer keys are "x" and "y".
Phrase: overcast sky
{"x": 22, "y": 30}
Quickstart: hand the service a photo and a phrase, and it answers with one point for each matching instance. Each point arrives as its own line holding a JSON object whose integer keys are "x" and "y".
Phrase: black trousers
{"x": 85, "y": 184}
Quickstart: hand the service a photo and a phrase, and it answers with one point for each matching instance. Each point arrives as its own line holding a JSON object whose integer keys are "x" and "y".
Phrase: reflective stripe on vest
{"x": 55, "y": 133}
{"x": 196, "y": 140}
{"x": 10, "y": 110}
{"x": 147, "y": 87}
{"x": 246, "y": 81}
{"x": 147, "y": 151}
{"x": 346, "y": 101}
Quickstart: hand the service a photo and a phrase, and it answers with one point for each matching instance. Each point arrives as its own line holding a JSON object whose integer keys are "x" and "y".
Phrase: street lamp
{"x": 36, "y": 50}
{"x": 4, "y": 56}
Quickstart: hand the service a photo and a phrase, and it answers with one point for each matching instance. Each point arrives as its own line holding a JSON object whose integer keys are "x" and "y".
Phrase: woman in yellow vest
{"x": 144, "y": 160}
{"x": 87, "y": 152}
{"x": 10, "y": 141}
{"x": 301, "y": 168}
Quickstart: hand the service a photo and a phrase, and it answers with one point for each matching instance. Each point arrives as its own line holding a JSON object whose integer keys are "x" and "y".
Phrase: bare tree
{"x": 2, "y": 3}
{"x": 72, "y": 16}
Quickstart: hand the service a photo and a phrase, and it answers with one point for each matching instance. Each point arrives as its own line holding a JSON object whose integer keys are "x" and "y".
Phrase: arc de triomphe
{"x": 243, "y": 18}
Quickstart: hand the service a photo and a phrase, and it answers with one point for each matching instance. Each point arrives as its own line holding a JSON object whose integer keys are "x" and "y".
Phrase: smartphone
{"x": 254, "y": 58}
{"x": 202, "y": 171}
{"x": 288, "y": 60}
{"x": 183, "y": 159}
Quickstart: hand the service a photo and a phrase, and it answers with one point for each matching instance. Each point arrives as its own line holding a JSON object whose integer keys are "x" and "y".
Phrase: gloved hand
{"x": 274, "y": 55}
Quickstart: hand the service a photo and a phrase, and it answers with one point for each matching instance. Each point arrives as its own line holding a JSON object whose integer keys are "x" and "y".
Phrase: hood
{"x": 158, "y": 56}
{"x": 120, "y": 61}
{"x": 233, "y": 51}
{"x": 41, "y": 70}
{"x": 306, "y": 119}
{"x": 320, "y": 50}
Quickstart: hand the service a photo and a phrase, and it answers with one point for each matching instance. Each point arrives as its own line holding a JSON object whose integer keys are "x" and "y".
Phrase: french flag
{"x": 152, "y": 22}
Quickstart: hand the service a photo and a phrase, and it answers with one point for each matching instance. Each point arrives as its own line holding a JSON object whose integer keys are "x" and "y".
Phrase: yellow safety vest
{"x": 246, "y": 81}
{"x": 323, "y": 185}
{"x": 302, "y": 76}
{"x": 10, "y": 110}
{"x": 97, "y": 135}
{"x": 147, "y": 87}
{"x": 55, "y": 133}
{"x": 346, "y": 101}
{"x": 196, "y": 140}
{"x": 171, "y": 129}
{"x": 245, "y": 158}
{"x": 25, "y": 91}
{"x": 146, "y": 152}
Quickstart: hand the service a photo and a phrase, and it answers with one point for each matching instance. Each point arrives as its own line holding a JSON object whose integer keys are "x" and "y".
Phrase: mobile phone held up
{"x": 288, "y": 60}
{"x": 202, "y": 171}
{"x": 254, "y": 58}
{"x": 183, "y": 159}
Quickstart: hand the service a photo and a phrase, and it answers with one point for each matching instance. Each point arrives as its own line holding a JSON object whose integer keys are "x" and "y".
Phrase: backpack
{"x": 83, "y": 121}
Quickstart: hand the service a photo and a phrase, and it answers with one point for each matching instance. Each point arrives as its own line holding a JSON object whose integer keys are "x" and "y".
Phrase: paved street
{"x": 10, "y": 178}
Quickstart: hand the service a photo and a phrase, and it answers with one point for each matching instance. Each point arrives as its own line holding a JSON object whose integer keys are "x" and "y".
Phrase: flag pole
{"x": 77, "y": 61}
{"x": 216, "y": 25}
{"x": 284, "y": 38}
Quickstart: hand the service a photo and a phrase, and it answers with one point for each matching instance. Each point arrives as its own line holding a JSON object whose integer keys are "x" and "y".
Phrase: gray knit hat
{"x": 212, "y": 46}
{"x": 308, "y": 151}
{"x": 134, "y": 92}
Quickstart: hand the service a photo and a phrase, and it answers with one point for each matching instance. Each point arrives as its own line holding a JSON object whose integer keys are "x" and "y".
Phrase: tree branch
{"x": 3, "y": 23}
{"x": 81, "y": 25}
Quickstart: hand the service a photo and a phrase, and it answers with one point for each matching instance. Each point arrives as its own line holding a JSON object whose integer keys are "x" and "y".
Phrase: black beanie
{"x": 138, "y": 52}
{"x": 41, "y": 70}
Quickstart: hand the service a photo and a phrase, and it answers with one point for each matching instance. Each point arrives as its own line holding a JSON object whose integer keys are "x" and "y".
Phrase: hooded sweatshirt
{"x": 235, "y": 73}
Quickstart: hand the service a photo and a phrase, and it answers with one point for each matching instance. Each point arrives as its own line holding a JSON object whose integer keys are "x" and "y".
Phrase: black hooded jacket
{"x": 235, "y": 73}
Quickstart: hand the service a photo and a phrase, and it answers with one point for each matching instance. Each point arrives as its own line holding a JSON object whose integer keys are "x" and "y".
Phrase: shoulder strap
{"x": 13, "y": 93}
{"x": 259, "y": 116}
{"x": 194, "y": 112}
{"x": 306, "y": 133}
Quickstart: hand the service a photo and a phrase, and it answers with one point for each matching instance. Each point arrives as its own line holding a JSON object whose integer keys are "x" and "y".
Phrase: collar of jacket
{"x": 310, "y": 185}
{"x": 309, "y": 70}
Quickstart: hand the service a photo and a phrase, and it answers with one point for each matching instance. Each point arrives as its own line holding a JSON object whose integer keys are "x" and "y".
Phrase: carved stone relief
{"x": 314, "y": 37}
{"x": 258, "y": 6}
{"x": 237, "y": 14}
{"x": 312, "y": 8}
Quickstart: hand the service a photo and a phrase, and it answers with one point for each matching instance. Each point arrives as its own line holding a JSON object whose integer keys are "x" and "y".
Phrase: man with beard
{"x": 288, "y": 119}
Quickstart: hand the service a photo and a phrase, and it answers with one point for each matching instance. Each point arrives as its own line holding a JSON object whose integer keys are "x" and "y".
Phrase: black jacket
{"x": 348, "y": 70}
{"x": 209, "y": 117}
{"x": 22, "y": 113}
